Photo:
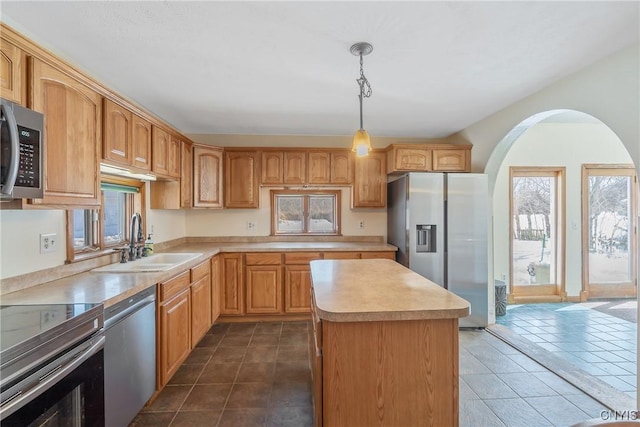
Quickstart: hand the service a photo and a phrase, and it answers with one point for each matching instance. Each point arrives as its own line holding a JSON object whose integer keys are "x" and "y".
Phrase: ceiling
{"x": 274, "y": 67}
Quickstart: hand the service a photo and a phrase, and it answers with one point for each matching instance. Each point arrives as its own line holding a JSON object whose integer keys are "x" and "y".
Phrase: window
{"x": 93, "y": 230}
{"x": 304, "y": 212}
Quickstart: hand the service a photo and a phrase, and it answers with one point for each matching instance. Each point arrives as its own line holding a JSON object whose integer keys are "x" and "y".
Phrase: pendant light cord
{"x": 365, "y": 89}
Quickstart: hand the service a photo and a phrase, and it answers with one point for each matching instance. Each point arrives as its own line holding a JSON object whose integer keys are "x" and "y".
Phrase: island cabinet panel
{"x": 341, "y": 167}
{"x": 390, "y": 373}
{"x": 215, "y": 288}
{"x": 174, "y": 331}
{"x": 11, "y": 72}
{"x": 370, "y": 183}
{"x": 295, "y": 167}
{"x": 72, "y": 136}
{"x": 297, "y": 288}
{"x": 141, "y": 141}
{"x": 241, "y": 188}
{"x": 319, "y": 170}
{"x": 232, "y": 284}
{"x": 207, "y": 177}
{"x": 272, "y": 167}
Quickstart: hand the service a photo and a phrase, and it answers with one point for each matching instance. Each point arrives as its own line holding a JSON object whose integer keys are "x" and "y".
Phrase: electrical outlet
{"x": 48, "y": 316}
{"x": 361, "y": 225}
{"x": 251, "y": 225}
{"x": 48, "y": 243}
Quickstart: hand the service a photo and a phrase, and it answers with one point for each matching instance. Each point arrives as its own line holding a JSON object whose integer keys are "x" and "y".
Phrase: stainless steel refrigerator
{"x": 439, "y": 222}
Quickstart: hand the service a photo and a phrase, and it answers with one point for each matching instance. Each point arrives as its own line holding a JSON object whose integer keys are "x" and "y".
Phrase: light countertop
{"x": 379, "y": 290}
{"x": 111, "y": 288}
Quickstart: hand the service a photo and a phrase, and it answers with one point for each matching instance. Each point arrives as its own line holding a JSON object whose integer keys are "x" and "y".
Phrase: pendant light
{"x": 361, "y": 141}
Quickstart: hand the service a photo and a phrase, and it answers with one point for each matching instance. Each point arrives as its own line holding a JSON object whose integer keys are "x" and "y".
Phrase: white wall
{"x": 233, "y": 222}
{"x": 555, "y": 144}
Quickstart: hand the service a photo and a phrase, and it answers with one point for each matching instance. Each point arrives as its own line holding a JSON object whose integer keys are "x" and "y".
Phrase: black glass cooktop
{"x": 21, "y": 323}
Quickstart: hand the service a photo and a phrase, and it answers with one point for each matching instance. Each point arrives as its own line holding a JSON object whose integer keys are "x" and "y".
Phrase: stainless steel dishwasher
{"x": 129, "y": 357}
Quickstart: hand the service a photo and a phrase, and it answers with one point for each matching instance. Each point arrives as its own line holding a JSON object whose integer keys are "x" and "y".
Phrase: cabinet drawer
{"x": 263, "y": 259}
{"x": 200, "y": 270}
{"x": 173, "y": 286}
{"x": 301, "y": 257}
{"x": 378, "y": 255}
{"x": 341, "y": 255}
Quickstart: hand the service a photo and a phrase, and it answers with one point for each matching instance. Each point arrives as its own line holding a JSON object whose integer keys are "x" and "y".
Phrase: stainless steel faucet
{"x": 136, "y": 235}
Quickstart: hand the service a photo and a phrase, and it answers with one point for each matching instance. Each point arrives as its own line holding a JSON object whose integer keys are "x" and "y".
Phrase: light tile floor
{"x": 258, "y": 375}
{"x": 600, "y": 344}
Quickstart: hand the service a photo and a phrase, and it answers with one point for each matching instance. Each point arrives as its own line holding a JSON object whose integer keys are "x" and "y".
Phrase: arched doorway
{"x": 541, "y": 238}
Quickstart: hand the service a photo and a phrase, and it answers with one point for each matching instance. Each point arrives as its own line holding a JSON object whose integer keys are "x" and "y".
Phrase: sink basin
{"x": 158, "y": 262}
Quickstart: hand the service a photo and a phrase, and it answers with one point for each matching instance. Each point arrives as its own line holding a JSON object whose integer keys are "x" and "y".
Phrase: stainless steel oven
{"x": 52, "y": 365}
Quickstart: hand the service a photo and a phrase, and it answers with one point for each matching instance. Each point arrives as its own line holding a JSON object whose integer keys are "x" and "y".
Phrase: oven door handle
{"x": 50, "y": 380}
{"x": 12, "y": 173}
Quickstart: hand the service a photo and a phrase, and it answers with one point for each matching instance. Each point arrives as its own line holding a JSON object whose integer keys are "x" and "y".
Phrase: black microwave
{"x": 21, "y": 153}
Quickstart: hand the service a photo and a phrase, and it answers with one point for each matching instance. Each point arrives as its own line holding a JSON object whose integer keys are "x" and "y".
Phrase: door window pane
{"x": 609, "y": 222}
{"x": 534, "y": 230}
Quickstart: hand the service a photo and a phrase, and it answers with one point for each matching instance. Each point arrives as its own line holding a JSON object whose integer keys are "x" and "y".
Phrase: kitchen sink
{"x": 158, "y": 262}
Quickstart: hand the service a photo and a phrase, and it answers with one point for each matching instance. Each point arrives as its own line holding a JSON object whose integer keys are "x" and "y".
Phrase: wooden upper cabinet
{"x": 117, "y": 144}
{"x": 241, "y": 189}
{"x": 272, "y": 167}
{"x": 207, "y": 177}
{"x": 452, "y": 160}
{"x": 11, "y": 72}
{"x": 174, "y": 164}
{"x": 319, "y": 167}
{"x": 186, "y": 175}
{"x": 160, "y": 150}
{"x": 370, "y": 182}
{"x": 73, "y": 137}
{"x": 141, "y": 142}
{"x": 409, "y": 159}
{"x": 341, "y": 167}
{"x": 295, "y": 167}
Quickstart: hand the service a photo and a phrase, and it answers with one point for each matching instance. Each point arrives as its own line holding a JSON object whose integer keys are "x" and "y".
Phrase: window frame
{"x": 135, "y": 203}
{"x": 306, "y": 194}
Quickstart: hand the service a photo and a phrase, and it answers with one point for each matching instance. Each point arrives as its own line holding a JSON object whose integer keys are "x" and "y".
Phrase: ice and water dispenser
{"x": 426, "y": 238}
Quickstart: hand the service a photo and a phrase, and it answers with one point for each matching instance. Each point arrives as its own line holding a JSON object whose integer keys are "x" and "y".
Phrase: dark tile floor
{"x": 601, "y": 344}
{"x": 258, "y": 375}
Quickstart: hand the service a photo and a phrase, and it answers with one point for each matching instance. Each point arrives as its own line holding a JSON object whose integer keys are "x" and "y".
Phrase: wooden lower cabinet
{"x": 215, "y": 288}
{"x": 232, "y": 284}
{"x": 174, "y": 335}
{"x": 200, "y": 308}
{"x": 297, "y": 288}
{"x": 383, "y": 373}
{"x": 264, "y": 289}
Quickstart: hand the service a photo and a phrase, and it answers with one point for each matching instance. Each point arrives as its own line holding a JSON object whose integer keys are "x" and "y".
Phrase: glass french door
{"x": 609, "y": 224}
{"x": 536, "y": 244}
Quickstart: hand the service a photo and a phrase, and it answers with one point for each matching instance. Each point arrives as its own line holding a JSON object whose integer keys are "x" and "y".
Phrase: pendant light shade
{"x": 361, "y": 141}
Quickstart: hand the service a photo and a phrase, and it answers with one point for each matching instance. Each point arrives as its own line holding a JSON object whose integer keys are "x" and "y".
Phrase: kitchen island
{"x": 384, "y": 346}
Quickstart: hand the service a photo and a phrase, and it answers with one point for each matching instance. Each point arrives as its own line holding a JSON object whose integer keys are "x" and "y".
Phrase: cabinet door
{"x": 11, "y": 72}
{"x": 272, "y": 168}
{"x": 297, "y": 288}
{"x": 186, "y": 175}
{"x": 174, "y": 163}
{"x": 232, "y": 284}
{"x": 341, "y": 169}
{"x": 200, "y": 309}
{"x": 241, "y": 180}
{"x": 141, "y": 142}
{"x": 174, "y": 334}
{"x": 264, "y": 289}
{"x": 116, "y": 144}
{"x": 456, "y": 160}
{"x": 342, "y": 255}
{"x": 295, "y": 167}
{"x": 207, "y": 172}
{"x": 72, "y": 137}
{"x": 160, "y": 150}
{"x": 319, "y": 171}
{"x": 215, "y": 288}
{"x": 379, "y": 255}
{"x": 409, "y": 159}
{"x": 370, "y": 184}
